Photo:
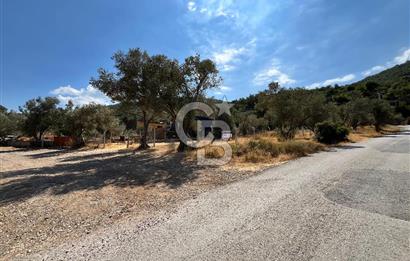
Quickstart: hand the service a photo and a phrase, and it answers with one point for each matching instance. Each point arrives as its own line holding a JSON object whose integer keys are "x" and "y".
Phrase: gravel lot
{"x": 50, "y": 196}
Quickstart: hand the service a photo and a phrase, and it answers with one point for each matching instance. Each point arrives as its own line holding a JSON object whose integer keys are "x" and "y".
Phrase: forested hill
{"x": 391, "y": 85}
{"x": 399, "y": 74}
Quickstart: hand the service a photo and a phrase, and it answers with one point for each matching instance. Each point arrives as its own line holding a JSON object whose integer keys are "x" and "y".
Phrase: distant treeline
{"x": 377, "y": 100}
{"x": 150, "y": 88}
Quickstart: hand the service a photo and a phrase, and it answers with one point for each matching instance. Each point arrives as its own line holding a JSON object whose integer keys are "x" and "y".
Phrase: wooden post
{"x": 104, "y": 139}
{"x": 154, "y": 136}
{"x": 165, "y": 135}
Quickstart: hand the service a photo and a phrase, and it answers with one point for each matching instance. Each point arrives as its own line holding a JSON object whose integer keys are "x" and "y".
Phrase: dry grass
{"x": 366, "y": 132}
{"x": 265, "y": 149}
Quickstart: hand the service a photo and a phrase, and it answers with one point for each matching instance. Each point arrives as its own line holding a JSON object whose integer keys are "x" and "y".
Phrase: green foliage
{"x": 151, "y": 87}
{"x": 383, "y": 113}
{"x": 10, "y": 122}
{"x": 379, "y": 99}
{"x": 137, "y": 82}
{"x": 3, "y": 109}
{"x": 357, "y": 112}
{"x": 199, "y": 76}
{"x": 391, "y": 85}
{"x": 92, "y": 120}
{"x": 154, "y": 84}
{"x": 294, "y": 109}
{"x": 40, "y": 115}
{"x": 250, "y": 124}
{"x": 315, "y": 110}
{"x": 331, "y": 132}
{"x": 6, "y": 125}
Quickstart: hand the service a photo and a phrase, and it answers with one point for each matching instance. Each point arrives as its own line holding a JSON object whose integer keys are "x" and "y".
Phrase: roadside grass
{"x": 262, "y": 147}
{"x": 265, "y": 149}
{"x": 365, "y": 132}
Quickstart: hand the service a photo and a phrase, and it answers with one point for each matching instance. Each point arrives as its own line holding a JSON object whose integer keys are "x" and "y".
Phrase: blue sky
{"x": 54, "y": 47}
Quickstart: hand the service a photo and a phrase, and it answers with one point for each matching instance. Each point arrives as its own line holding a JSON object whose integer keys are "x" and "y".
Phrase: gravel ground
{"x": 48, "y": 197}
{"x": 350, "y": 203}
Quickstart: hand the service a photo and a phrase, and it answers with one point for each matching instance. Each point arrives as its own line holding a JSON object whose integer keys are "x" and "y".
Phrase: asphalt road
{"x": 352, "y": 203}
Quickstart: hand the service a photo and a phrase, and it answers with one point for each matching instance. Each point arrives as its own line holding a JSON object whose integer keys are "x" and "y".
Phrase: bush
{"x": 330, "y": 132}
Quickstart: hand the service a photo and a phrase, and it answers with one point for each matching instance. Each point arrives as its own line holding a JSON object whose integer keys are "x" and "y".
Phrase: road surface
{"x": 351, "y": 203}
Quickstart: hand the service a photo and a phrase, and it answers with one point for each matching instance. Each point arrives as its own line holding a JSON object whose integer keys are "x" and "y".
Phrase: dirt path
{"x": 50, "y": 196}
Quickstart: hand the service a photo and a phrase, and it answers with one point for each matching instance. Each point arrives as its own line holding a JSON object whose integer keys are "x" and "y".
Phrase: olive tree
{"x": 40, "y": 115}
{"x": 199, "y": 76}
{"x": 132, "y": 84}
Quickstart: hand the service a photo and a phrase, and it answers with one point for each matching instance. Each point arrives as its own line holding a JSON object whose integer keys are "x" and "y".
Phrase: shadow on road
{"x": 349, "y": 147}
{"x": 91, "y": 172}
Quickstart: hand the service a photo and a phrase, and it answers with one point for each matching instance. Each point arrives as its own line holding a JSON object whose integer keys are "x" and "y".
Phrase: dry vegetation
{"x": 51, "y": 196}
{"x": 366, "y": 132}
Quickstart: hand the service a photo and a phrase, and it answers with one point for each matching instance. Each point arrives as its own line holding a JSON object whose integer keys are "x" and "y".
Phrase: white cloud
{"x": 338, "y": 80}
{"x": 313, "y": 85}
{"x": 191, "y": 6}
{"x": 222, "y": 90}
{"x": 225, "y": 58}
{"x": 373, "y": 70}
{"x": 346, "y": 78}
{"x": 66, "y": 90}
{"x": 80, "y": 96}
{"x": 226, "y": 88}
{"x": 273, "y": 73}
{"x": 213, "y": 9}
{"x": 402, "y": 58}
{"x": 243, "y": 14}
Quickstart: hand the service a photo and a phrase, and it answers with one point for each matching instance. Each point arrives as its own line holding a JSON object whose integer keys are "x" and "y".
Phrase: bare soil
{"x": 50, "y": 196}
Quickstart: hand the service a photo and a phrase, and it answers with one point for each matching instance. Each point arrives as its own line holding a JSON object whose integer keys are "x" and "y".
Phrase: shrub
{"x": 330, "y": 132}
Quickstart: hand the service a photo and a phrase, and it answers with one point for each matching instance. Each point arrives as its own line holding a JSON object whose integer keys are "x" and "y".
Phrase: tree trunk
{"x": 181, "y": 147}
{"x": 104, "y": 134}
{"x": 143, "y": 142}
{"x": 40, "y": 138}
{"x": 377, "y": 127}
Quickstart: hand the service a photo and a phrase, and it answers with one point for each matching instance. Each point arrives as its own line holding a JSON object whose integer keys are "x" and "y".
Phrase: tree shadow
{"x": 51, "y": 153}
{"x": 397, "y": 134}
{"x": 349, "y": 147}
{"x": 13, "y": 150}
{"x": 92, "y": 172}
{"x": 345, "y": 147}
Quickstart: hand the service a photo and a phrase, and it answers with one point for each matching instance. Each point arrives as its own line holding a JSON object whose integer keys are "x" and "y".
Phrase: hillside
{"x": 392, "y": 85}
{"x": 399, "y": 74}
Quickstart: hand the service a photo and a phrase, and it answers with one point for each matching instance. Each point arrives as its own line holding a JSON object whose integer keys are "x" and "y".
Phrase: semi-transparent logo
{"x": 205, "y": 139}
